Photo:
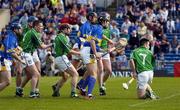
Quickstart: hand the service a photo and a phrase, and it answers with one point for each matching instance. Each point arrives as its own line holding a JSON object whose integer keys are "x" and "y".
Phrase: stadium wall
{"x": 4, "y": 17}
{"x": 104, "y": 3}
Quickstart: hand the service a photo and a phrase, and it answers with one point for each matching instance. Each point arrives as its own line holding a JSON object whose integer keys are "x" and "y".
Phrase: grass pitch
{"x": 116, "y": 99}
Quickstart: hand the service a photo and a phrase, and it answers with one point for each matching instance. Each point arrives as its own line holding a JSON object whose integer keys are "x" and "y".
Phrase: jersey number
{"x": 143, "y": 57}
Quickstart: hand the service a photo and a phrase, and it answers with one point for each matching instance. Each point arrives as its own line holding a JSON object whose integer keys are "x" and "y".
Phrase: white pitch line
{"x": 165, "y": 98}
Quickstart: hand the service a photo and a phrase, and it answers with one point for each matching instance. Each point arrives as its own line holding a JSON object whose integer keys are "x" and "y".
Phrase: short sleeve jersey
{"x": 143, "y": 58}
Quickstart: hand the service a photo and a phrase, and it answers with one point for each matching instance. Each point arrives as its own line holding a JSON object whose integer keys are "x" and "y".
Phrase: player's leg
{"x": 34, "y": 79}
{"x": 91, "y": 79}
{"x": 100, "y": 77}
{"x": 56, "y": 87}
{"x": 18, "y": 70}
{"x": 107, "y": 72}
{"x": 74, "y": 74}
{"x": 33, "y": 72}
{"x": 38, "y": 66}
{"x": 78, "y": 64}
{"x": 108, "y": 69}
{"x": 149, "y": 90}
{"x": 142, "y": 81}
{"x": 5, "y": 79}
{"x": 91, "y": 64}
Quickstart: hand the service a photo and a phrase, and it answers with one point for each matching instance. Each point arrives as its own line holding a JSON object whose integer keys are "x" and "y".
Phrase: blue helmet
{"x": 16, "y": 26}
{"x": 32, "y": 19}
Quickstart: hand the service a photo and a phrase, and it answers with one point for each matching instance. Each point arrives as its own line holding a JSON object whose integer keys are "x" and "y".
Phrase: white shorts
{"x": 86, "y": 56}
{"x": 27, "y": 57}
{"x": 6, "y": 65}
{"x": 76, "y": 57}
{"x": 144, "y": 78}
{"x": 107, "y": 56}
{"x": 62, "y": 63}
{"x": 35, "y": 57}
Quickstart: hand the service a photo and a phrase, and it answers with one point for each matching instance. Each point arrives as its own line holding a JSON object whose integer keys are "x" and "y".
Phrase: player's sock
{"x": 86, "y": 82}
{"x": 91, "y": 84}
{"x": 80, "y": 83}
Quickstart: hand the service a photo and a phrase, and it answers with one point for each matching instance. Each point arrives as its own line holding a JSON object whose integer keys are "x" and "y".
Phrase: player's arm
{"x": 14, "y": 55}
{"x": 132, "y": 65}
{"x": 39, "y": 43}
{"x": 93, "y": 46}
{"x": 133, "y": 68}
{"x": 107, "y": 39}
{"x": 74, "y": 52}
{"x": 43, "y": 46}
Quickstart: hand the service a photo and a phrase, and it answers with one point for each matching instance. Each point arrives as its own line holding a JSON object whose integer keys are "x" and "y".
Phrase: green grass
{"x": 116, "y": 99}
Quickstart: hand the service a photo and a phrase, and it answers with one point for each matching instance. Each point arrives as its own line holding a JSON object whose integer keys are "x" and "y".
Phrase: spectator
{"x": 114, "y": 30}
{"x": 133, "y": 40}
{"x": 170, "y": 25}
{"x": 36, "y": 3}
{"x": 177, "y": 25}
{"x": 142, "y": 29}
{"x": 82, "y": 17}
{"x": 172, "y": 10}
{"x": 91, "y": 5}
{"x": 164, "y": 46}
{"x": 45, "y": 10}
{"x": 66, "y": 19}
{"x": 24, "y": 20}
{"x": 73, "y": 19}
{"x": 28, "y": 6}
{"x": 133, "y": 27}
{"x": 125, "y": 34}
{"x": 174, "y": 45}
{"x": 126, "y": 24}
{"x": 120, "y": 12}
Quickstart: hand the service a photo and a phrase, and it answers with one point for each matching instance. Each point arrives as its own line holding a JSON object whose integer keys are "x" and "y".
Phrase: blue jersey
{"x": 84, "y": 31}
{"x": 97, "y": 35}
{"x": 9, "y": 43}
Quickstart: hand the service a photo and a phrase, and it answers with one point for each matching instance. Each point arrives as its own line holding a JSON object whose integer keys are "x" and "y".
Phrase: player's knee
{"x": 109, "y": 71}
{"x": 65, "y": 77}
{"x": 141, "y": 94}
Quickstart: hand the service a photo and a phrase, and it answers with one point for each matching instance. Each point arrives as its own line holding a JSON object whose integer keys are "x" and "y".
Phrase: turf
{"x": 116, "y": 99}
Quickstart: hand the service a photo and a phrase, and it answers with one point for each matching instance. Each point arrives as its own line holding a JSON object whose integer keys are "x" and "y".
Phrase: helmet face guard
{"x": 103, "y": 19}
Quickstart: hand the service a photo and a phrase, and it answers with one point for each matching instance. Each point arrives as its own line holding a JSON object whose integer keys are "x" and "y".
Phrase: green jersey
{"x": 20, "y": 40}
{"x": 104, "y": 43}
{"x": 31, "y": 41}
{"x": 143, "y": 58}
{"x": 62, "y": 46}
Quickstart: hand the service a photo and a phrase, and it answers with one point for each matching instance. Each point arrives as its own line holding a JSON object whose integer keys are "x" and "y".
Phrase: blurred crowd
{"x": 151, "y": 17}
